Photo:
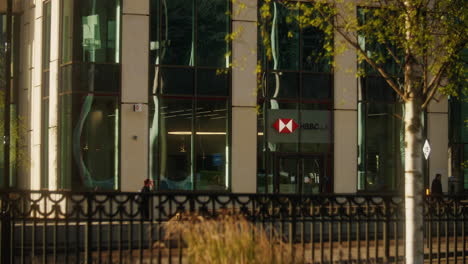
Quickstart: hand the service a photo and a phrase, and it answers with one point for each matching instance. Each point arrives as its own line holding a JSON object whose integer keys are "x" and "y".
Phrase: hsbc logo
{"x": 285, "y": 125}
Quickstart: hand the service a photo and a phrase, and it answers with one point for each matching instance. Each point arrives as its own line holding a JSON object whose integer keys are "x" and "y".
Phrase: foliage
{"x": 423, "y": 40}
{"x": 227, "y": 239}
{"x": 18, "y": 156}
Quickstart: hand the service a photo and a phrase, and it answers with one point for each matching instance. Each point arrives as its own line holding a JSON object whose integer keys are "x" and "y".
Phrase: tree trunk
{"x": 413, "y": 182}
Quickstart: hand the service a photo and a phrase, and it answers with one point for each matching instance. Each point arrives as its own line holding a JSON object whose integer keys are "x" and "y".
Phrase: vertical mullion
{"x": 194, "y": 138}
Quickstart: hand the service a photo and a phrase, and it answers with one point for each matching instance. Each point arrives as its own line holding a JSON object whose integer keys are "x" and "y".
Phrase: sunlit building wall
{"x": 108, "y": 93}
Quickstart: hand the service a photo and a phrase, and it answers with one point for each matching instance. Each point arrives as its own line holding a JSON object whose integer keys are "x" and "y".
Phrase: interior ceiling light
{"x": 201, "y": 133}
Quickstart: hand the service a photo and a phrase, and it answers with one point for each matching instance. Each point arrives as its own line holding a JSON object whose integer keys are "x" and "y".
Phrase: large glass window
{"x": 380, "y": 120}
{"x": 189, "y": 104}
{"x": 89, "y": 94}
{"x": 458, "y": 140}
{"x": 295, "y": 105}
{"x": 9, "y": 68}
{"x": 380, "y": 137}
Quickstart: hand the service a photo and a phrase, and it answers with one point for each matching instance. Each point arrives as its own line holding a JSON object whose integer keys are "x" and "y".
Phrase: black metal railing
{"x": 96, "y": 227}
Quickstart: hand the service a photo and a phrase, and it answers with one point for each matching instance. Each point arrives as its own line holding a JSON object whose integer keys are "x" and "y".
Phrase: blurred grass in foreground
{"x": 228, "y": 239}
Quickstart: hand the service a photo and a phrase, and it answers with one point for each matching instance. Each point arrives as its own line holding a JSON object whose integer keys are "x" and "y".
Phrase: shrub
{"x": 228, "y": 239}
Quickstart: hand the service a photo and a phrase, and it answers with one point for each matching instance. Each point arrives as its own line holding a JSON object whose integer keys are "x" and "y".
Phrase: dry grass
{"x": 228, "y": 239}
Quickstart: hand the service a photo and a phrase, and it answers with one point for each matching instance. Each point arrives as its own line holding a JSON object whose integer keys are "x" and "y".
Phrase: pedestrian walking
{"x": 436, "y": 186}
{"x": 144, "y": 198}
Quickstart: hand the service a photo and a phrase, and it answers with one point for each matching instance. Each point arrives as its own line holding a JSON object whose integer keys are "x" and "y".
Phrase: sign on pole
{"x": 426, "y": 149}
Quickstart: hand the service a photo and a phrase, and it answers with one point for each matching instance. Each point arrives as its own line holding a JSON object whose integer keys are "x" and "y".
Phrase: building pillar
{"x": 53, "y": 93}
{"x": 134, "y": 124}
{"x": 437, "y": 135}
{"x": 244, "y": 98}
{"x": 23, "y": 95}
{"x": 36, "y": 25}
{"x": 345, "y": 119}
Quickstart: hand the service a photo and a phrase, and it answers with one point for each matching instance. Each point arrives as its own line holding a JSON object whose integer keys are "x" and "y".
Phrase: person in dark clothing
{"x": 436, "y": 186}
{"x": 144, "y": 198}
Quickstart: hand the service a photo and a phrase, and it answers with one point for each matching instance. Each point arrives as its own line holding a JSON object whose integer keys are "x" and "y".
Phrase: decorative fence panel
{"x": 97, "y": 227}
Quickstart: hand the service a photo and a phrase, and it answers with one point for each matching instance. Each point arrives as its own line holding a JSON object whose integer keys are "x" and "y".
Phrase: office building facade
{"x": 107, "y": 93}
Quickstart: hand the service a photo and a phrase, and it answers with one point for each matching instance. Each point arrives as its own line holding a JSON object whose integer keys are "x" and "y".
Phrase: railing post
{"x": 88, "y": 230}
{"x": 386, "y": 230}
{"x": 191, "y": 198}
{"x": 292, "y": 237}
{"x": 5, "y": 231}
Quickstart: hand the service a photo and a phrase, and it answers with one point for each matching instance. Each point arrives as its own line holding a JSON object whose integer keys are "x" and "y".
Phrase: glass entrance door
{"x": 300, "y": 174}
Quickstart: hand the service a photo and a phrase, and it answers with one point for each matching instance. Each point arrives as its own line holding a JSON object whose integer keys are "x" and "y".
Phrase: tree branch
{"x": 433, "y": 85}
{"x": 355, "y": 45}
{"x": 382, "y": 72}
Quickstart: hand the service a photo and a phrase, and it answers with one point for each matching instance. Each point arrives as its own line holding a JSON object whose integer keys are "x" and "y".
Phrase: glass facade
{"x": 295, "y": 102}
{"x": 380, "y": 137}
{"x": 189, "y": 94}
{"x": 458, "y": 142}
{"x": 9, "y": 68}
{"x": 89, "y": 94}
{"x": 380, "y": 120}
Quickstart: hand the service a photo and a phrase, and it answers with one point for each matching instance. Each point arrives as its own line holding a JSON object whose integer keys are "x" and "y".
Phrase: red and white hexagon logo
{"x": 285, "y": 125}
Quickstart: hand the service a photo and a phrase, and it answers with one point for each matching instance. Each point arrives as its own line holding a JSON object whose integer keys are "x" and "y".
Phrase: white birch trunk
{"x": 413, "y": 183}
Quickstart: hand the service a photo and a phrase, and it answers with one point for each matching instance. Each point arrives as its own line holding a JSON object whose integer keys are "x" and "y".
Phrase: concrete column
{"x": 24, "y": 102}
{"x": 437, "y": 135}
{"x": 134, "y": 125}
{"x": 345, "y": 120}
{"x": 36, "y": 98}
{"x": 244, "y": 98}
{"x": 53, "y": 93}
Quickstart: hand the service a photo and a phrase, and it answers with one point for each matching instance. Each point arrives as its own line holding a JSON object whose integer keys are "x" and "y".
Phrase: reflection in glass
{"x": 175, "y": 145}
{"x": 458, "y": 147}
{"x": 288, "y": 175}
{"x": 283, "y": 85}
{"x": 9, "y": 82}
{"x": 89, "y": 145}
{"x": 91, "y": 31}
{"x": 184, "y": 148}
{"x": 380, "y": 161}
{"x": 190, "y": 33}
{"x": 213, "y": 26}
{"x": 67, "y": 30}
{"x": 314, "y": 179}
{"x": 212, "y": 82}
{"x": 211, "y": 149}
{"x": 175, "y": 81}
{"x": 285, "y": 38}
{"x": 313, "y": 52}
{"x": 316, "y": 86}
{"x": 177, "y": 32}
{"x": 375, "y": 88}
{"x": 188, "y": 136}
